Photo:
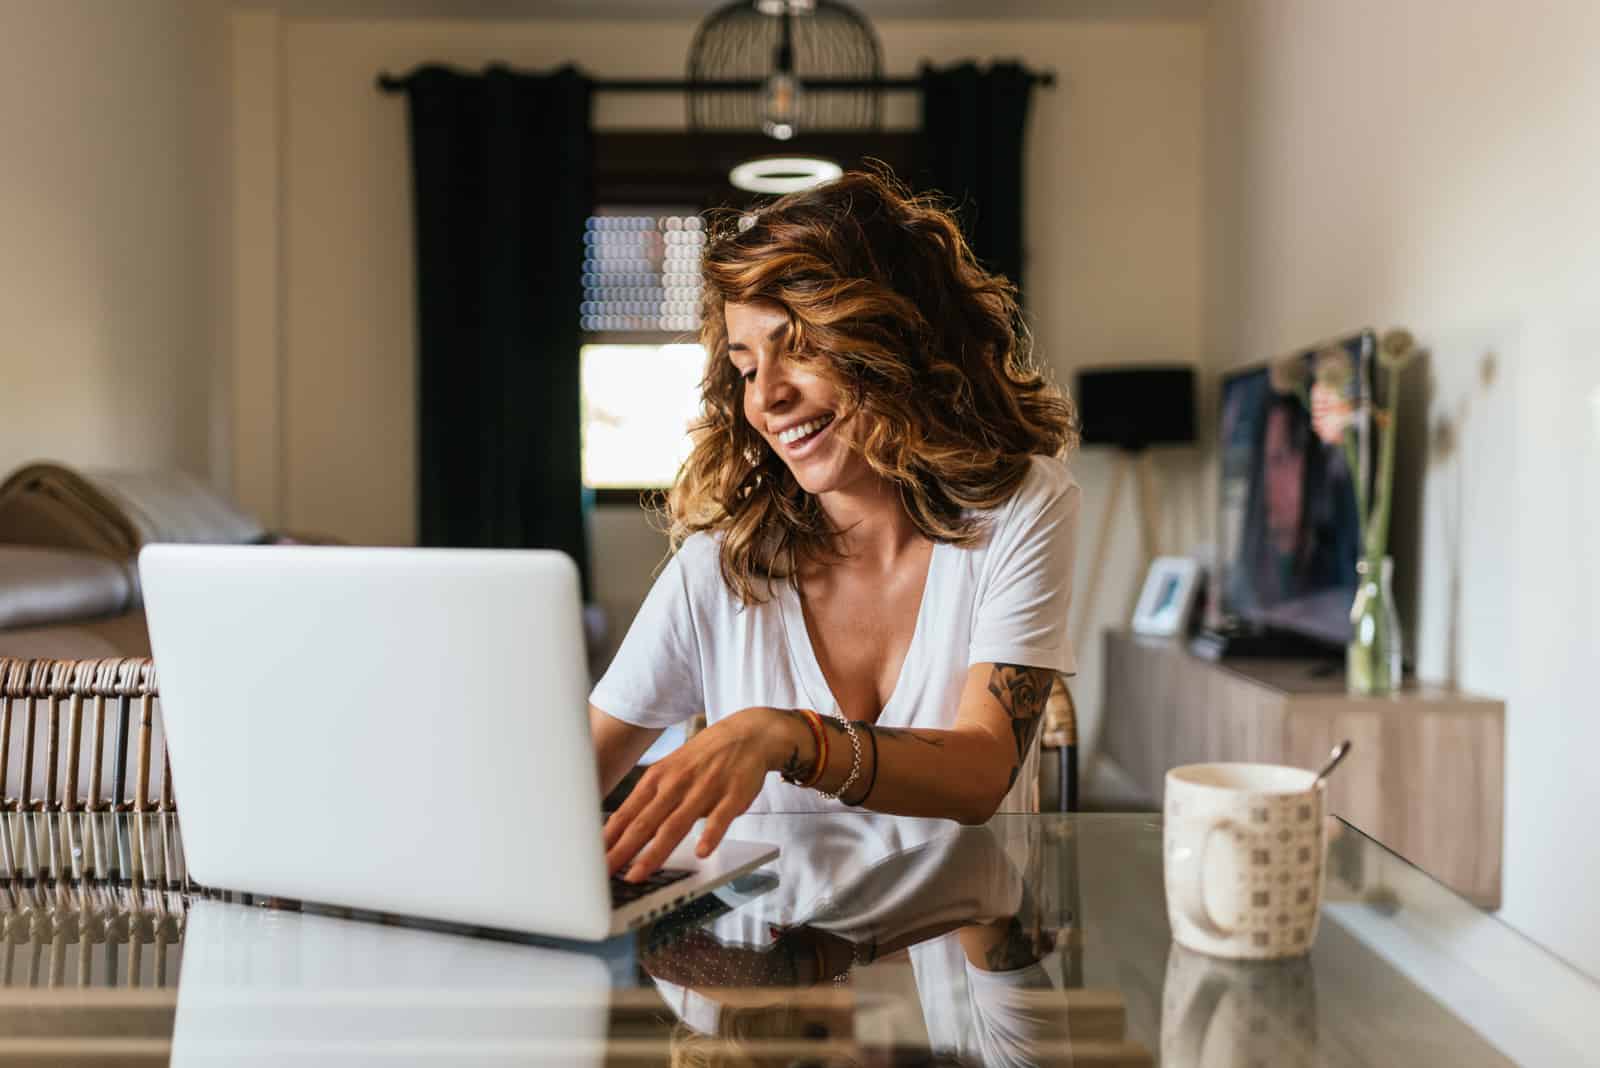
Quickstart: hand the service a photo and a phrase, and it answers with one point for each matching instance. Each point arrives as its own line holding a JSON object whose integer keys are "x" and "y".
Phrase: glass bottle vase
{"x": 1372, "y": 659}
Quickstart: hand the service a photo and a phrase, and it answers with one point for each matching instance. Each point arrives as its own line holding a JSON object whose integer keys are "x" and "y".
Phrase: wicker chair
{"x": 31, "y": 687}
{"x": 1061, "y": 735}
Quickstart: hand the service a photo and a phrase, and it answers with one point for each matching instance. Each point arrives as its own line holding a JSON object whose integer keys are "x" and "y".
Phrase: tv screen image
{"x": 1289, "y": 534}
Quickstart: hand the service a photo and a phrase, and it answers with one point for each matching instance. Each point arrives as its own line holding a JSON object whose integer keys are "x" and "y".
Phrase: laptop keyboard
{"x": 623, "y": 893}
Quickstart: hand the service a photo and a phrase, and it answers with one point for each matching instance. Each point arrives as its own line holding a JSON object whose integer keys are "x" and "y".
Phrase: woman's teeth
{"x": 804, "y": 430}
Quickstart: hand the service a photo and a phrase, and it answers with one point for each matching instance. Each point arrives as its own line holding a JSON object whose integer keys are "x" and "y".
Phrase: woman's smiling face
{"x": 793, "y": 408}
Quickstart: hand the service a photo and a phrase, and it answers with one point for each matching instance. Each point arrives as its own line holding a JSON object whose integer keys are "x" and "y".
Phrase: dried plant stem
{"x": 1377, "y": 532}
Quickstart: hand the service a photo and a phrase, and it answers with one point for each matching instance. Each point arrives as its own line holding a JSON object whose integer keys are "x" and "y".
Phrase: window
{"x": 638, "y": 402}
{"x": 640, "y": 367}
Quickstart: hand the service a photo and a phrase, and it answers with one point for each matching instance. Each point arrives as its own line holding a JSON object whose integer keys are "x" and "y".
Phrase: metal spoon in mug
{"x": 1340, "y": 751}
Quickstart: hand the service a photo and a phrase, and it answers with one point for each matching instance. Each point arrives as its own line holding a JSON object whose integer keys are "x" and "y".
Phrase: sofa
{"x": 69, "y": 546}
{"x": 69, "y": 592}
{"x": 67, "y": 604}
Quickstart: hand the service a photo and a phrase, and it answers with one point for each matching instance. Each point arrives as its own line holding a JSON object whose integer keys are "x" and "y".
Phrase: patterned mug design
{"x": 1243, "y": 847}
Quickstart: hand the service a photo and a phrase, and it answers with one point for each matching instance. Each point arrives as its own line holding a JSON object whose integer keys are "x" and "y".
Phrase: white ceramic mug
{"x": 1243, "y": 851}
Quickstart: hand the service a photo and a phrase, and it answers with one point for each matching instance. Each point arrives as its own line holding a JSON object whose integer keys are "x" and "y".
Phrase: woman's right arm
{"x": 617, "y": 746}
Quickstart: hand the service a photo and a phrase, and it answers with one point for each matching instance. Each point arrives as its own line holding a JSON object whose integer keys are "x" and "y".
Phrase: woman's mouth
{"x": 797, "y": 440}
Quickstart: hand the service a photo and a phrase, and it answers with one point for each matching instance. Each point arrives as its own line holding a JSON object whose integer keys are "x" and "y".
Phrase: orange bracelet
{"x": 815, "y": 723}
{"x": 817, "y": 736}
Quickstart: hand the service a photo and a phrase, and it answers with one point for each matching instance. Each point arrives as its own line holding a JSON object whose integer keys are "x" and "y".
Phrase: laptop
{"x": 404, "y": 730}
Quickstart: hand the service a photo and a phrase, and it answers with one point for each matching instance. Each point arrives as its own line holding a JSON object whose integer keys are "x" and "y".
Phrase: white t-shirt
{"x": 694, "y": 646}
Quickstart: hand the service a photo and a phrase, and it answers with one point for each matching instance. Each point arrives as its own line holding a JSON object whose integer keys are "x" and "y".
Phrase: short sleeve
{"x": 1025, "y": 592}
{"x": 655, "y": 678}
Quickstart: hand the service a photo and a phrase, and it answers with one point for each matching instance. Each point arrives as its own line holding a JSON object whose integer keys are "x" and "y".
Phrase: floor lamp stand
{"x": 1141, "y": 465}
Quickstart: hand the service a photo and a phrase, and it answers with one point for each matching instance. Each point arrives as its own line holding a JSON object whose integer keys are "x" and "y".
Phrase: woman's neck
{"x": 874, "y": 528}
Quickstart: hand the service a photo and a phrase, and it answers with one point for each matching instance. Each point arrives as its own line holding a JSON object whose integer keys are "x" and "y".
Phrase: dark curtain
{"x": 972, "y": 123}
{"x": 502, "y": 167}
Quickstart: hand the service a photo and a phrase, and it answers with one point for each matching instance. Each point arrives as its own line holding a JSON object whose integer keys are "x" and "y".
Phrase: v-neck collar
{"x": 812, "y": 680}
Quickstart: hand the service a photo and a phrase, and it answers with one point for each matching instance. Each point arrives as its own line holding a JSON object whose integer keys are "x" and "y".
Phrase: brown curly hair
{"x": 926, "y": 348}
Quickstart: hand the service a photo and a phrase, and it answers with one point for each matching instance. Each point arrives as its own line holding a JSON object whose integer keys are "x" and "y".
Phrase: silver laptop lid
{"x": 395, "y": 729}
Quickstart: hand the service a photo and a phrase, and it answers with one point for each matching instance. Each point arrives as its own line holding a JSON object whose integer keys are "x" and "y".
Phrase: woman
{"x": 874, "y": 536}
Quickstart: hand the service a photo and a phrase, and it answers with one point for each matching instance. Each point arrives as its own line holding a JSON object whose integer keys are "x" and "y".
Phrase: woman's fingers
{"x": 672, "y": 831}
{"x": 641, "y": 828}
{"x": 717, "y": 825}
{"x": 642, "y": 794}
{"x": 627, "y": 847}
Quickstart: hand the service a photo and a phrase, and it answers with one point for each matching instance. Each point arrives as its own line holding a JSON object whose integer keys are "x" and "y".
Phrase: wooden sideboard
{"x": 1425, "y": 775}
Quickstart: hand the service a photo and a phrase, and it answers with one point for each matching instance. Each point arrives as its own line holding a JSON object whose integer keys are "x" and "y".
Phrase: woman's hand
{"x": 715, "y": 775}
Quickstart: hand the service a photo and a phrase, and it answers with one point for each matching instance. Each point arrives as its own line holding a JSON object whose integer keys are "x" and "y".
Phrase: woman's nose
{"x": 772, "y": 388}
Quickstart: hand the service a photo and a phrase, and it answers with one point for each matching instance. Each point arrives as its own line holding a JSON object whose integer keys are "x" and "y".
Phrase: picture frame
{"x": 1167, "y": 599}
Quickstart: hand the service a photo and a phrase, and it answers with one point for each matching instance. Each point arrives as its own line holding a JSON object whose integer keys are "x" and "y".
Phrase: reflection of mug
{"x": 1243, "y": 852}
{"x": 1217, "y": 1013}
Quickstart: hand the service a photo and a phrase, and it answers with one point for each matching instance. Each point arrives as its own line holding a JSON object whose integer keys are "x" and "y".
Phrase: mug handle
{"x": 1191, "y": 888}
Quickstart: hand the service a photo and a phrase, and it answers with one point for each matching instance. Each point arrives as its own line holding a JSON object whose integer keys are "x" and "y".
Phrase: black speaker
{"x": 1133, "y": 407}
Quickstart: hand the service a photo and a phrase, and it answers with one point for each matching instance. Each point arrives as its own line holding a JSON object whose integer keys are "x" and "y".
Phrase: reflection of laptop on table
{"x": 272, "y": 987}
{"x": 395, "y": 729}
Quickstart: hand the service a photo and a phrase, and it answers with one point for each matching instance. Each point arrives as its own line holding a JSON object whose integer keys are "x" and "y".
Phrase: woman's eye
{"x": 748, "y": 376}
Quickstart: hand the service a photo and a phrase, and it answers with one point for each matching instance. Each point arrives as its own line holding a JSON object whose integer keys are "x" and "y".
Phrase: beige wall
{"x": 111, "y": 188}
{"x": 326, "y": 439}
{"x": 1432, "y": 163}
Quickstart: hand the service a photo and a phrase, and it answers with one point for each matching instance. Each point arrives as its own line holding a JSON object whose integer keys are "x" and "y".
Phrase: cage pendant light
{"x": 779, "y": 45}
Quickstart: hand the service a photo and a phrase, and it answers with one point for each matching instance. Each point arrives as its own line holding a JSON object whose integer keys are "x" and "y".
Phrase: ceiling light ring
{"x": 783, "y": 174}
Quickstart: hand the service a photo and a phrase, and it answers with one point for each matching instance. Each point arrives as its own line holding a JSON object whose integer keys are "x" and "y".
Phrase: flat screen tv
{"x": 1289, "y": 536}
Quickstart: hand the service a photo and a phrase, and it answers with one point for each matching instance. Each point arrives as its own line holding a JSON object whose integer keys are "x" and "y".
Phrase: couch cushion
{"x": 114, "y": 513}
{"x": 42, "y": 586}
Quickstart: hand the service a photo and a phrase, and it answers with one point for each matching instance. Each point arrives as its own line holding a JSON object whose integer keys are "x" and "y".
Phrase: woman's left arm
{"x": 962, "y": 773}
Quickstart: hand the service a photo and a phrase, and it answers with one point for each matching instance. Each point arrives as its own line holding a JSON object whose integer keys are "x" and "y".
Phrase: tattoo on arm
{"x": 908, "y": 733}
{"x": 1014, "y": 950}
{"x": 798, "y": 768}
{"x": 801, "y": 768}
{"x": 1022, "y": 692}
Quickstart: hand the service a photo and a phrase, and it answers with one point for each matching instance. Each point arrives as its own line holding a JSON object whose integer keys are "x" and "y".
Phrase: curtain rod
{"x": 388, "y": 83}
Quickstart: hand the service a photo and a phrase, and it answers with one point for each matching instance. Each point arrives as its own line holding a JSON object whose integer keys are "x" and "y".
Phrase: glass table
{"x": 1033, "y": 940}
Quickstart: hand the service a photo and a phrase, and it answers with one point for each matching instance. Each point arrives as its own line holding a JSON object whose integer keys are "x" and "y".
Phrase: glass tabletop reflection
{"x": 871, "y": 940}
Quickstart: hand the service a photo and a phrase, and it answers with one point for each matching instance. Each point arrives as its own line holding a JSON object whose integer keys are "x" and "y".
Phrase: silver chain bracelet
{"x": 855, "y": 760}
